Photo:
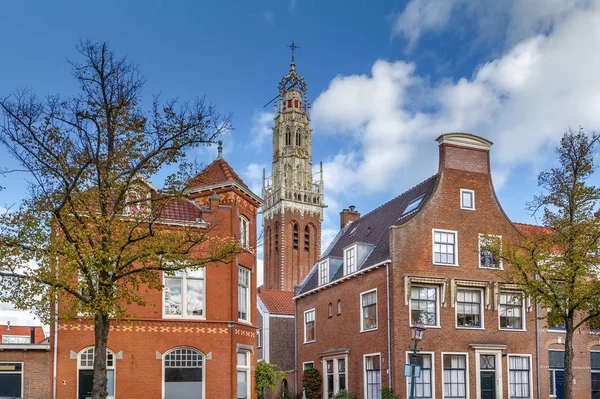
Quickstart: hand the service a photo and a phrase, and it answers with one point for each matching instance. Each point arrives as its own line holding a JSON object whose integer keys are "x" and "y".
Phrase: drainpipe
{"x": 55, "y": 350}
{"x": 537, "y": 346}
{"x": 295, "y": 351}
{"x": 387, "y": 278}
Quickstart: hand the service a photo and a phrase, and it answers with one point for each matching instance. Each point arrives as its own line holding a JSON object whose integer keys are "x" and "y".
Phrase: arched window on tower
{"x": 288, "y": 136}
{"x": 298, "y": 137}
{"x": 295, "y": 235}
{"x": 277, "y": 237}
{"x": 306, "y": 238}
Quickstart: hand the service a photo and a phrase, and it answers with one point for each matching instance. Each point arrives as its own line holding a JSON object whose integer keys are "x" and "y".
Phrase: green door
{"x": 488, "y": 385}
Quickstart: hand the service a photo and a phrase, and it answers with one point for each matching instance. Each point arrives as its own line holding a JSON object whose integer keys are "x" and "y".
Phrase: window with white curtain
{"x": 368, "y": 310}
{"x": 455, "y": 376}
{"x": 424, "y": 383}
{"x": 373, "y": 376}
{"x": 243, "y": 374}
{"x": 519, "y": 377}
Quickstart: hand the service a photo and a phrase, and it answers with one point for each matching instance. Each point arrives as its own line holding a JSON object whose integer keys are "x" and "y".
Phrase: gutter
{"x": 296, "y": 351}
{"x": 25, "y": 347}
{"x": 537, "y": 346}
{"x": 389, "y": 348}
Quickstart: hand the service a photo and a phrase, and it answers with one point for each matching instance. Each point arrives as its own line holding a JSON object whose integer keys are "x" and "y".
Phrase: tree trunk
{"x": 568, "y": 376}
{"x": 101, "y": 327}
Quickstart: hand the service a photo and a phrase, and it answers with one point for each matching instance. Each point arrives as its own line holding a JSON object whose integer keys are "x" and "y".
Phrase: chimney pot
{"x": 348, "y": 216}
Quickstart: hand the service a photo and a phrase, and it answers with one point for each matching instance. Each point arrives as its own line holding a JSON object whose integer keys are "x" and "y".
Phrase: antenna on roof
{"x": 220, "y": 148}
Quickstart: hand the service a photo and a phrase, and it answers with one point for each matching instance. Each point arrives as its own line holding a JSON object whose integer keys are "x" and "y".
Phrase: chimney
{"x": 32, "y": 335}
{"x": 464, "y": 151}
{"x": 348, "y": 216}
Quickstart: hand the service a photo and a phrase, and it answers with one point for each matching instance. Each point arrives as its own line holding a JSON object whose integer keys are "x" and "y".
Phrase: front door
{"x": 86, "y": 383}
{"x": 559, "y": 377}
{"x": 488, "y": 385}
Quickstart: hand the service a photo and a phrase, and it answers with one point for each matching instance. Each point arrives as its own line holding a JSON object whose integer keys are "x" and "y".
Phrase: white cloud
{"x": 253, "y": 177}
{"x": 422, "y": 16}
{"x": 260, "y": 272}
{"x": 269, "y": 15}
{"x": 261, "y": 127}
{"x": 17, "y": 317}
{"x": 523, "y": 101}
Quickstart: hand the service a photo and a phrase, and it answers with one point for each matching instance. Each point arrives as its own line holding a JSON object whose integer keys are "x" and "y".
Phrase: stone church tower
{"x": 293, "y": 202}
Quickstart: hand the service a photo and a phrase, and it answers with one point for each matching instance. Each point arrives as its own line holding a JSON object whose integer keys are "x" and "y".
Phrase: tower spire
{"x": 293, "y": 47}
{"x": 220, "y": 149}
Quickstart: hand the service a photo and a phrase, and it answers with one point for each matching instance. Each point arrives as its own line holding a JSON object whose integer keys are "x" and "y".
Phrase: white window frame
{"x": 324, "y": 272}
{"x": 24, "y": 339}
{"x": 203, "y": 368}
{"x": 472, "y": 192}
{"x": 114, "y": 367}
{"x": 467, "y": 382}
{"x": 6, "y": 362}
{"x": 184, "y": 278}
{"x": 362, "y": 324}
{"x": 243, "y": 270}
{"x": 365, "y": 372}
{"x": 500, "y": 264}
{"x": 245, "y": 369}
{"x": 315, "y": 325}
{"x": 530, "y": 373}
{"x": 135, "y": 208}
{"x": 304, "y": 368}
{"x": 593, "y": 371}
{"x": 552, "y": 370}
{"x": 336, "y": 374}
{"x": 481, "y": 308}
{"x": 433, "y": 231}
{"x": 244, "y": 232}
{"x": 433, "y": 372}
{"x": 523, "y": 310}
{"x": 498, "y": 370}
{"x": 259, "y": 337}
{"x": 353, "y": 249}
{"x": 437, "y": 304}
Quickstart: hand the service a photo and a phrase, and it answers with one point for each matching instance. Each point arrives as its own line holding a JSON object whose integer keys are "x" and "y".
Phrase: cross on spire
{"x": 293, "y": 47}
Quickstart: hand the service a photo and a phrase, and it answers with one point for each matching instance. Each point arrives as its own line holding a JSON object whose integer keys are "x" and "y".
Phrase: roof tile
{"x": 277, "y": 302}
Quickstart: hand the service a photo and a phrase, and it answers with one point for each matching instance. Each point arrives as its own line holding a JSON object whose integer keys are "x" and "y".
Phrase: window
{"x": 288, "y": 136}
{"x": 335, "y": 376}
{"x": 556, "y": 319}
{"x": 183, "y": 371}
{"x": 350, "y": 260}
{"x": 413, "y": 205}
{"x": 556, "y": 364}
{"x": 295, "y": 235}
{"x": 298, "y": 136}
{"x": 243, "y": 294}
{"x": 85, "y": 372}
{"x": 306, "y": 238}
{"x": 244, "y": 232}
{"x": 467, "y": 199}
{"x": 184, "y": 294}
{"x": 323, "y": 272}
{"x": 368, "y": 312}
{"x": 136, "y": 203}
{"x": 243, "y": 374}
{"x": 595, "y": 366}
{"x": 468, "y": 308}
{"x": 308, "y": 365}
{"x": 455, "y": 376}
{"x": 16, "y": 339}
{"x": 511, "y": 311}
{"x": 339, "y": 310}
{"x": 11, "y": 380}
{"x": 487, "y": 246}
{"x": 519, "y": 377}
{"x": 330, "y": 310}
{"x": 372, "y": 376}
{"x": 259, "y": 338}
{"x": 423, "y": 384}
{"x": 277, "y": 237}
{"x": 423, "y": 305}
{"x": 309, "y": 326}
{"x": 444, "y": 247}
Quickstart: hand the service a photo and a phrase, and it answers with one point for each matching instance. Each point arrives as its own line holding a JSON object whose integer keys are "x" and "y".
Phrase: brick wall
{"x": 36, "y": 371}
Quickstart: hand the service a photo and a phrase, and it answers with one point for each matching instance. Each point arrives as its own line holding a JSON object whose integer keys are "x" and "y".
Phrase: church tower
{"x": 293, "y": 201}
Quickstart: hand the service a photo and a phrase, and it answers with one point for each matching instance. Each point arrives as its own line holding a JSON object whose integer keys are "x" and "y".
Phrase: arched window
{"x": 330, "y": 310}
{"x": 295, "y": 235}
{"x": 184, "y": 373}
{"x": 339, "y": 307}
{"x": 244, "y": 232}
{"x": 298, "y": 137}
{"x": 288, "y": 136}
{"x": 277, "y": 237}
{"x": 85, "y": 373}
{"x": 306, "y": 238}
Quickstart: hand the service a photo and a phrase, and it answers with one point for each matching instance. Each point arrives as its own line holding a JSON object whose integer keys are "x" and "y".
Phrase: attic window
{"x": 353, "y": 230}
{"x": 413, "y": 205}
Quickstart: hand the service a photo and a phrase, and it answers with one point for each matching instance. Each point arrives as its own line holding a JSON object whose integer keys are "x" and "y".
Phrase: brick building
{"x": 276, "y": 334}
{"x": 422, "y": 256}
{"x": 24, "y": 362}
{"x": 197, "y": 339}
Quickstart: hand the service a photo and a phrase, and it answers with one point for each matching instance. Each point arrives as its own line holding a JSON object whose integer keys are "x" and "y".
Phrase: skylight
{"x": 412, "y": 206}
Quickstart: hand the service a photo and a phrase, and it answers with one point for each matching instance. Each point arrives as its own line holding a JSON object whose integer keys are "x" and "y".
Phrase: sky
{"x": 385, "y": 79}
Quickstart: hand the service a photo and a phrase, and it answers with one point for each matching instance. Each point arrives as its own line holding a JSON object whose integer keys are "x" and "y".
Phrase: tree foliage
{"x": 557, "y": 264}
{"x": 312, "y": 384}
{"x": 81, "y": 236}
{"x": 267, "y": 376}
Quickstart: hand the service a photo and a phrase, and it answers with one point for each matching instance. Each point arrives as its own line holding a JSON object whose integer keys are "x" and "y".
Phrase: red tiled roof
{"x": 218, "y": 171}
{"x": 23, "y": 331}
{"x": 277, "y": 302}
{"x": 531, "y": 229}
{"x": 181, "y": 209}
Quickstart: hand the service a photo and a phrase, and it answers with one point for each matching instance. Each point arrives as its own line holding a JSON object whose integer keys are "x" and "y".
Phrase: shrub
{"x": 388, "y": 393}
{"x": 343, "y": 394}
{"x": 312, "y": 382}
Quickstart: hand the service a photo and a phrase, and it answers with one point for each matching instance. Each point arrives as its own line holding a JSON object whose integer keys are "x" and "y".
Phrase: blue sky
{"x": 385, "y": 79}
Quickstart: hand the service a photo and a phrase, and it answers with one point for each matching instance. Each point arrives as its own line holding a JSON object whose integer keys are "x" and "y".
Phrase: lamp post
{"x": 416, "y": 334}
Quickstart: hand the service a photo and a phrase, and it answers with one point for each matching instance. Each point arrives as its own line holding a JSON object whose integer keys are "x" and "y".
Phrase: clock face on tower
{"x": 301, "y": 153}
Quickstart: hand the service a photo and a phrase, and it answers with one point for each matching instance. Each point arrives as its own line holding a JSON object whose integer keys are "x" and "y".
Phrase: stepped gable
{"x": 218, "y": 171}
{"x": 277, "y": 302}
{"x": 373, "y": 228}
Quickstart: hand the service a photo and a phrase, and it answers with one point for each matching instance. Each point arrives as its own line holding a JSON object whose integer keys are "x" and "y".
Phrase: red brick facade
{"x": 141, "y": 344}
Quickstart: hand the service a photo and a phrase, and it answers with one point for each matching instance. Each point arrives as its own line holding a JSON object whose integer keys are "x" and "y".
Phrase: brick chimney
{"x": 348, "y": 216}
{"x": 464, "y": 151}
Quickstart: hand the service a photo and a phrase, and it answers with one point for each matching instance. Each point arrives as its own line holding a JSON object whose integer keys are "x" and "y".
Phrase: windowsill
{"x": 245, "y": 322}
{"x": 369, "y": 330}
{"x": 469, "y": 328}
{"x": 446, "y": 264}
{"x": 175, "y": 317}
{"x": 558, "y": 330}
{"x": 491, "y": 268}
{"x": 467, "y": 209}
{"x": 513, "y": 329}
{"x": 426, "y": 327}
{"x": 310, "y": 342}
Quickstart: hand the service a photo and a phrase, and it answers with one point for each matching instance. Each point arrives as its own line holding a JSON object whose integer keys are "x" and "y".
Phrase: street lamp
{"x": 416, "y": 334}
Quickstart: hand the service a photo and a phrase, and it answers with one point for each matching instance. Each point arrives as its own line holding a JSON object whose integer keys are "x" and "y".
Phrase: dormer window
{"x": 350, "y": 260}
{"x": 136, "y": 203}
{"x": 467, "y": 199}
{"x": 324, "y": 272}
{"x": 413, "y": 205}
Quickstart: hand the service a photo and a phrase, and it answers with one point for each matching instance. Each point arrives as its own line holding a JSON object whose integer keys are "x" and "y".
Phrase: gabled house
{"x": 197, "y": 338}
{"x": 422, "y": 256}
